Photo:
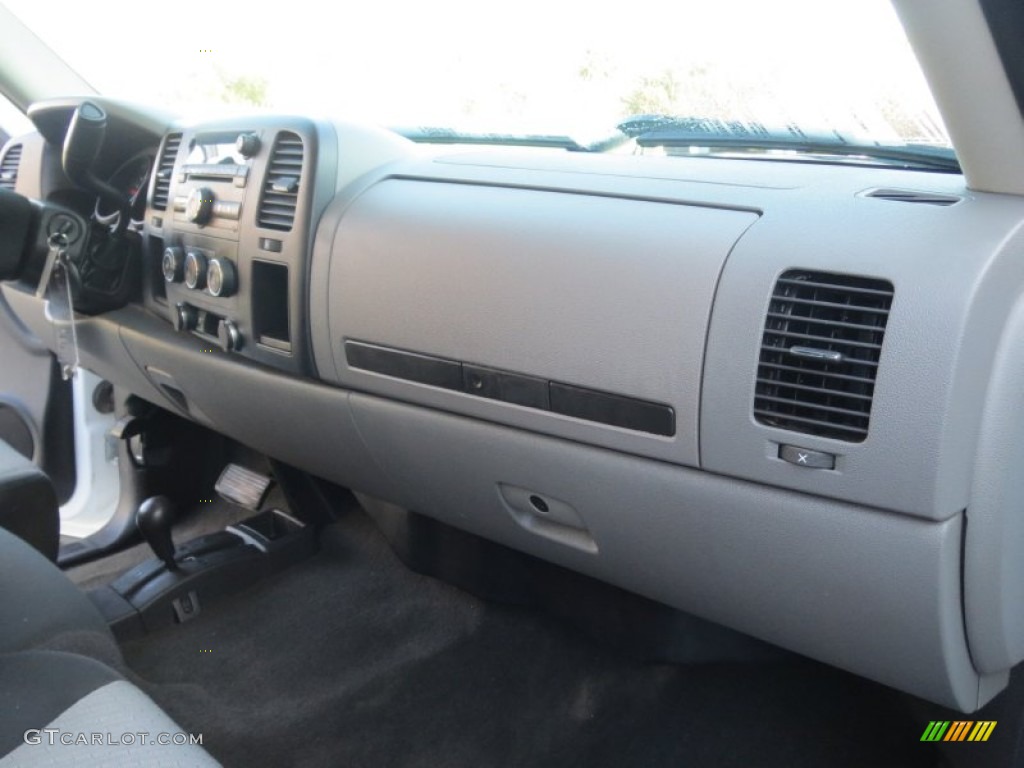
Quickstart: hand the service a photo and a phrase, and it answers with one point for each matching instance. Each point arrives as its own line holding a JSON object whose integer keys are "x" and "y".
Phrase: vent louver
{"x": 912, "y": 196}
{"x": 281, "y": 187}
{"x": 9, "y": 167}
{"x": 165, "y": 171}
{"x": 820, "y": 352}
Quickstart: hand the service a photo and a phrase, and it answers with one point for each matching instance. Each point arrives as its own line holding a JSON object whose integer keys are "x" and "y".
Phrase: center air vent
{"x": 820, "y": 352}
{"x": 281, "y": 187}
{"x": 9, "y": 167}
{"x": 165, "y": 171}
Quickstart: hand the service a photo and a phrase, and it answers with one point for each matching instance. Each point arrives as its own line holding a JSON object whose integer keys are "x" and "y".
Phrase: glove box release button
{"x": 547, "y": 517}
{"x": 804, "y": 457}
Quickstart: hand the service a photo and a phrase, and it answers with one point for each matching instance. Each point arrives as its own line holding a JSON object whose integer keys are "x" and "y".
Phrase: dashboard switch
{"x": 185, "y": 317}
{"x": 804, "y": 457}
{"x": 229, "y": 335}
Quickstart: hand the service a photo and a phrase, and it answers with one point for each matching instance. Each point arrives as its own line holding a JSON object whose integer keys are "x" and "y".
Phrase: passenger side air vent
{"x": 819, "y": 353}
{"x": 9, "y": 167}
{"x": 165, "y": 171}
{"x": 281, "y": 187}
{"x": 912, "y": 196}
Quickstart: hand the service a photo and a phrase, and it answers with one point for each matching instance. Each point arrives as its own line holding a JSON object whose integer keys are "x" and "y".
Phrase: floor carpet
{"x": 350, "y": 659}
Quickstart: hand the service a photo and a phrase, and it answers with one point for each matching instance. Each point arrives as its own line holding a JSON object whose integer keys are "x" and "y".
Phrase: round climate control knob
{"x": 173, "y": 264}
{"x": 221, "y": 277}
{"x": 195, "y": 270}
{"x": 199, "y": 205}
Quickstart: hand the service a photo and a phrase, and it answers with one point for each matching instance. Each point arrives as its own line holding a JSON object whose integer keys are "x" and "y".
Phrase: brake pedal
{"x": 243, "y": 486}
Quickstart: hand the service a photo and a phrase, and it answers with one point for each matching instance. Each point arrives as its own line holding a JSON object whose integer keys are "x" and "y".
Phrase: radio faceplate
{"x": 221, "y": 263}
{"x": 210, "y": 185}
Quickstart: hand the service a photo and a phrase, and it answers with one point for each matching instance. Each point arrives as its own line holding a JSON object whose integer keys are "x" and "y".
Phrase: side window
{"x": 12, "y": 121}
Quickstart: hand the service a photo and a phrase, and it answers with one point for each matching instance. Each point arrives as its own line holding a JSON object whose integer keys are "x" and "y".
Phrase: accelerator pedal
{"x": 243, "y": 486}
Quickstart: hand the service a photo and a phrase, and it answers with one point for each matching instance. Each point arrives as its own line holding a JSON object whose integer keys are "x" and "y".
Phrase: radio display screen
{"x": 215, "y": 149}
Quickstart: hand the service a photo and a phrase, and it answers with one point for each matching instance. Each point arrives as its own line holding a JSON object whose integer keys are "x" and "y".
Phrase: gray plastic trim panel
{"x": 598, "y": 292}
{"x": 994, "y": 543}
{"x": 957, "y": 272}
{"x": 874, "y": 593}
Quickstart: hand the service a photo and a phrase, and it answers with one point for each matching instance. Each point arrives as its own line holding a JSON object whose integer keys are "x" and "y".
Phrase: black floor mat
{"x": 350, "y": 659}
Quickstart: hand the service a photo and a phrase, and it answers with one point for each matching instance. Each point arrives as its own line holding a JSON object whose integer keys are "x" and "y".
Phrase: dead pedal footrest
{"x": 243, "y": 486}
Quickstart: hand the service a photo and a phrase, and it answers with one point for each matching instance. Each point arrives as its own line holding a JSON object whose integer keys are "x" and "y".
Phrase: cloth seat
{"x": 62, "y": 709}
{"x": 28, "y": 502}
{"x": 38, "y": 601}
{"x": 66, "y": 709}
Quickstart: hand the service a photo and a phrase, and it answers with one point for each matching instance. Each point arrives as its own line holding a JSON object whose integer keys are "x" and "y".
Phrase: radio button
{"x": 223, "y": 209}
{"x": 247, "y": 144}
{"x": 199, "y": 207}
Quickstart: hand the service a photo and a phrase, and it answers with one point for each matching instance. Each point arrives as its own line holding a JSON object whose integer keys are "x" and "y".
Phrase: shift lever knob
{"x": 153, "y": 519}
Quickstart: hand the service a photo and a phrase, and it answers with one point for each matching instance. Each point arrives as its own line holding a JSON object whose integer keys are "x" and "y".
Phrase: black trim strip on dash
{"x": 616, "y": 410}
{"x": 505, "y": 386}
{"x": 404, "y": 365}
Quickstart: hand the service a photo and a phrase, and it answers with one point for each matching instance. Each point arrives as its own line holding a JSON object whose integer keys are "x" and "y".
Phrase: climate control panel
{"x": 192, "y": 267}
{"x": 229, "y": 223}
{"x": 203, "y": 285}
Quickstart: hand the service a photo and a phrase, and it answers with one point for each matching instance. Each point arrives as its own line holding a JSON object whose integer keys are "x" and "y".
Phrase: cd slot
{"x": 215, "y": 172}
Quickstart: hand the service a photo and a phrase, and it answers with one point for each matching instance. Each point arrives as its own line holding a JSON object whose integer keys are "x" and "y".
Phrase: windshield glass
{"x": 535, "y": 67}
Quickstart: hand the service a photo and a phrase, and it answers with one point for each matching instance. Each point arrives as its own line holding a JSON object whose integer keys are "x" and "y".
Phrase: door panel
{"x": 35, "y": 404}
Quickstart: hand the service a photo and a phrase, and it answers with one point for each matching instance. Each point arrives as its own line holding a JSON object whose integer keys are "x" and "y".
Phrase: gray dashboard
{"x": 563, "y": 353}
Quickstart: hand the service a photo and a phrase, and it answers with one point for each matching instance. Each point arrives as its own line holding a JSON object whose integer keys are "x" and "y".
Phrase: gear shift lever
{"x": 153, "y": 519}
